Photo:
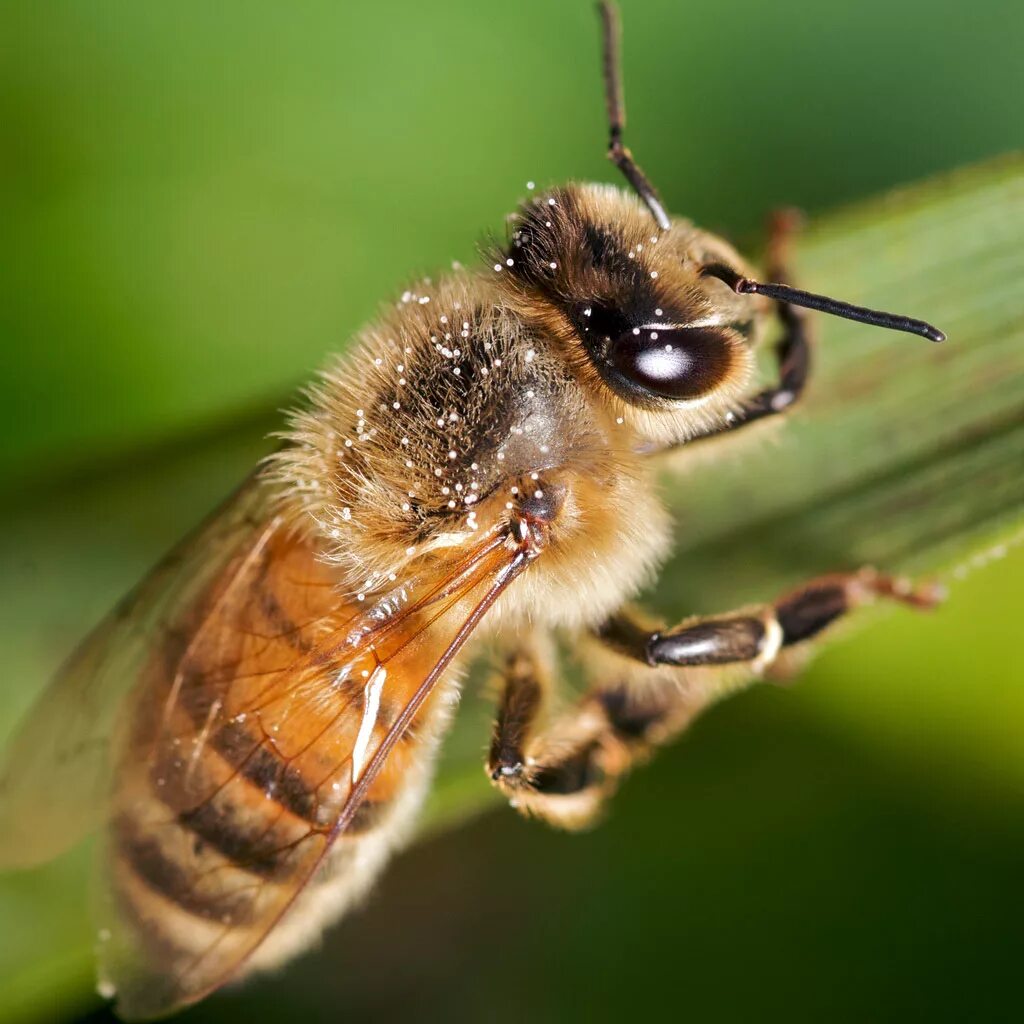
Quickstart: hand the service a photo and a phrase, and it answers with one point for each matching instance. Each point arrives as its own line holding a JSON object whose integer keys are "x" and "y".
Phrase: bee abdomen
{"x": 235, "y": 811}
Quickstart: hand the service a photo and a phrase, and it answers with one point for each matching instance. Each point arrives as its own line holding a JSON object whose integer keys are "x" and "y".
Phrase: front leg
{"x": 793, "y": 350}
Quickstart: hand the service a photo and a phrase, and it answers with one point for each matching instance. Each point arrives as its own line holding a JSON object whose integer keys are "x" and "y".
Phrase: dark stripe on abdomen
{"x": 278, "y": 780}
{"x": 192, "y": 887}
{"x": 258, "y": 849}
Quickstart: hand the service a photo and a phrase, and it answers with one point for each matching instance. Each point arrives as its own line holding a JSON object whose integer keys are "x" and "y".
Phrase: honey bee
{"x": 253, "y": 728}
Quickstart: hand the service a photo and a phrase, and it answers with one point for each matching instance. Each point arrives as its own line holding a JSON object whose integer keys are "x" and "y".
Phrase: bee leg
{"x": 757, "y": 636}
{"x": 563, "y": 772}
{"x": 792, "y": 351}
{"x": 526, "y": 682}
{"x": 648, "y": 685}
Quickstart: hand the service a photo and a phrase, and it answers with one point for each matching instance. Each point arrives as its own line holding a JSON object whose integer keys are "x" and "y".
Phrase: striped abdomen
{"x": 251, "y": 725}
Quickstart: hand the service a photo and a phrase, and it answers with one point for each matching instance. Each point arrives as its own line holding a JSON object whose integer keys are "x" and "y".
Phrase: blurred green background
{"x": 199, "y": 201}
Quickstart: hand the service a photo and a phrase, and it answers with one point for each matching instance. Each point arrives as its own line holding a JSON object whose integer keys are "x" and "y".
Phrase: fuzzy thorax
{"x": 442, "y": 421}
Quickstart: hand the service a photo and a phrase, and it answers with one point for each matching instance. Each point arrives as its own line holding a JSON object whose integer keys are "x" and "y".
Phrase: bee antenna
{"x": 617, "y": 152}
{"x": 822, "y": 303}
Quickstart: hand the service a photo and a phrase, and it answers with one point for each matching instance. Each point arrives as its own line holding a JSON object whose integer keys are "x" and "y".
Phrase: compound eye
{"x": 677, "y": 363}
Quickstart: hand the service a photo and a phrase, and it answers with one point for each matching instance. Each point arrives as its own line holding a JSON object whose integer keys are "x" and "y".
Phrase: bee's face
{"x": 634, "y": 302}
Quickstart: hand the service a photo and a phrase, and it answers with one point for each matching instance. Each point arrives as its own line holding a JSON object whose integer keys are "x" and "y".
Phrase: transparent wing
{"x": 273, "y": 717}
{"x": 54, "y": 774}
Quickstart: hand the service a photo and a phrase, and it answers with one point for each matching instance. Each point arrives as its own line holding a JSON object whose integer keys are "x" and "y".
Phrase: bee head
{"x": 634, "y": 304}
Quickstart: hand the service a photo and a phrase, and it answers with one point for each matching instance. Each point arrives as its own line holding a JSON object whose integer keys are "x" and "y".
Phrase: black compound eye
{"x": 674, "y": 363}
